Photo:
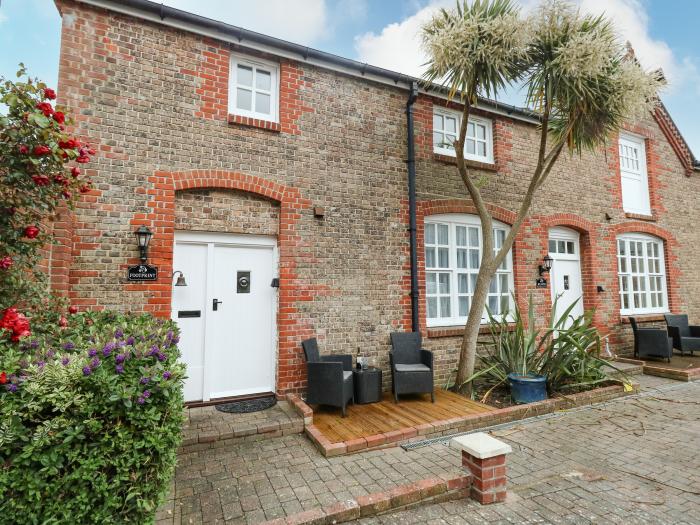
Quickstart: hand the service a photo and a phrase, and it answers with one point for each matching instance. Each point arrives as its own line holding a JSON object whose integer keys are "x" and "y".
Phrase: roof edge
{"x": 190, "y": 22}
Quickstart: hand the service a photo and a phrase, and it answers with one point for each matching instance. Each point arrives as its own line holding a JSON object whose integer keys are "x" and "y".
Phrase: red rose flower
{"x": 3, "y": 378}
{"x": 72, "y": 309}
{"x": 66, "y": 194}
{"x": 85, "y": 188}
{"x": 60, "y": 179}
{"x": 41, "y": 180}
{"x": 31, "y": 232}
{"x": 63, "y": 322}
{"x": 41, "y": 150}
{"x": 6, "y": 262}
{"x": 16, "y": 323}
{"x": 23, "y": 149}
{"x": 75, "y": 171}
{"x": 59, "y": 117}
{"x": 45, "y": 108}
{"x": 49, "y": 93}
{"x": 83, "y": 159}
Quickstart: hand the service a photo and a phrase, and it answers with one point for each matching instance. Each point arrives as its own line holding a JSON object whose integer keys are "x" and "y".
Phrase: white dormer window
{"x": 254, "y": 88}
{"x": 633, "y": 174}
{"x": 478, "y": 144}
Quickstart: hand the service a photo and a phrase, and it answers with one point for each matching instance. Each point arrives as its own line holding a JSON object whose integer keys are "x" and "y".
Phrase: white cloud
{"x": 3, "y": 18}
{"x": 300, "y": 21}
{"x": 397, "y": 46}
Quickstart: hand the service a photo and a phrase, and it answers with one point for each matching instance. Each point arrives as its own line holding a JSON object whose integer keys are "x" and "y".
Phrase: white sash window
{"x": 453, "y": 245}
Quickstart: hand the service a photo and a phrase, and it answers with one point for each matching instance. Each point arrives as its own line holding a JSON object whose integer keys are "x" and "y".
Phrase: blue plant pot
{"x": 528, "y": 388}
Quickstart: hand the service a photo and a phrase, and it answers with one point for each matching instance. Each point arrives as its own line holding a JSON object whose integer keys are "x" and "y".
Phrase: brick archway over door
{"x": 161, "y": 220}
{"x": 588, "y": 245}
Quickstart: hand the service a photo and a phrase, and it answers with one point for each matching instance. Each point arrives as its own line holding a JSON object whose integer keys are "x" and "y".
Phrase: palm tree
{"x": 579, "y": 79}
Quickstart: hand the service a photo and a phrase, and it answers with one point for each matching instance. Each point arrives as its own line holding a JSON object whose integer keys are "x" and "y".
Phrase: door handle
{"x": 215, "y": 304}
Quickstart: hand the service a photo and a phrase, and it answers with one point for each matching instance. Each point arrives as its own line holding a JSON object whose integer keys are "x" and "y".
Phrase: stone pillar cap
{"x": 481, "y": 445}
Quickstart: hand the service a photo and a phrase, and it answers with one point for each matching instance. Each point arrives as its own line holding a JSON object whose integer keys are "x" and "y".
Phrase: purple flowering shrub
{"x": 90, "y": 420}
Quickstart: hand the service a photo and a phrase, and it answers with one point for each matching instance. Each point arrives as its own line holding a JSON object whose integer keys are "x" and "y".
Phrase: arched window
{"x": 453, "y": 245}
{"x": 642, "y": 274}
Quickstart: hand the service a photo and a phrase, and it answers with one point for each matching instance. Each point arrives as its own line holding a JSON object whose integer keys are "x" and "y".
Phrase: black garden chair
{"x": 686, "y": 338}
{"x": 651, "y": 342}
{"x": 329, "y": 377}
{"x": 411, "y": 366}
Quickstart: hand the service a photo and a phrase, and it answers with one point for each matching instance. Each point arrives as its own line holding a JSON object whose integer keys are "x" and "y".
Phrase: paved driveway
{"x": 635, "y": 460}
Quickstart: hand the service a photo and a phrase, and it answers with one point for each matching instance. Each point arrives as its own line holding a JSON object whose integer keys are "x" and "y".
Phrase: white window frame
{"x": 452, "y": 221}
{"x": 274, "y": 91}
{"x": 643, "y": 278}
{"x": 630, "y": 141}
{"x": 441, "y": 149}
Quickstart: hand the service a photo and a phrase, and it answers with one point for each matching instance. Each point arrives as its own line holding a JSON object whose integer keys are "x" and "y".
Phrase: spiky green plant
{"x": 567, "y": 352}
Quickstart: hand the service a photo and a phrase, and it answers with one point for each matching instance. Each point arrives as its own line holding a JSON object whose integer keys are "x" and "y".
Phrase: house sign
{"x": 142, "y": 272}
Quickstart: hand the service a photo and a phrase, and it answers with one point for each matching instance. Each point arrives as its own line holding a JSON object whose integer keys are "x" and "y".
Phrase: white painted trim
{"x": 561, "y": 233}
{"x": 453, "y": 220}
{"x": 639, "y": 142}
{"x": 274, "y": 68}
{"x": 643, "y": 237}
{"x": 487, "y": 123}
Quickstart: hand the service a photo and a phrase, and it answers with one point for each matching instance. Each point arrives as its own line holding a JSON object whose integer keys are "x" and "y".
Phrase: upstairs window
{"x": 478, "y": 144}
{"x": 453, "y": 245}
{"x": 254, "y": 88}
{"x": 642, "y": 274}
{"x": 633, "y": 173}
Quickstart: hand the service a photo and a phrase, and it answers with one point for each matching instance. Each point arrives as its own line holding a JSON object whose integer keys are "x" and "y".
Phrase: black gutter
{"x": 411, "y": 163}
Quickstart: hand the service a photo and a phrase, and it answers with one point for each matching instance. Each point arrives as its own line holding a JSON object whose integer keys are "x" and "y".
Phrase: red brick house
{"x": 257, "y": 162}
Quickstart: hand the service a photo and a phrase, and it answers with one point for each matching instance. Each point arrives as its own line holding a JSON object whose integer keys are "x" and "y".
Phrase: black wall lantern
{"x": 546, "y": 264}
{"x": 143, "y": 236}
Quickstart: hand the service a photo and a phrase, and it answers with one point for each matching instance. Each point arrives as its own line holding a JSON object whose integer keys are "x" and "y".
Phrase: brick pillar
{"x": 485, "y": 458}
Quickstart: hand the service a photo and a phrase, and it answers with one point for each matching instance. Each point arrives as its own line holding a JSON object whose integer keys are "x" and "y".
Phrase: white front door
{"x": 565, "y": 275}
{"x": 226, "y": 313}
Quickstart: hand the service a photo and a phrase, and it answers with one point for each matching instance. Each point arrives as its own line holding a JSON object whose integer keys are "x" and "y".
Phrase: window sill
{"x": 457, "y": 331}
{"x": 642, "y": 318}
{"x": 449, "y": 159}
{"x": 267, "y": 125}
{"x": 641, "y": 217}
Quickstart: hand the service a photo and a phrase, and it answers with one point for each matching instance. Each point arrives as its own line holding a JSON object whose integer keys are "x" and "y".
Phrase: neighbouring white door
{"x": 565, "y": 275}
{"x": 226, "y": 313}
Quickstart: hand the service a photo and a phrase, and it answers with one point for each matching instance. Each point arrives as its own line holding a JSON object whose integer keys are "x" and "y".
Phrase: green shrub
{"x": 90, "y": 419}
{"x": 567, "y": 352}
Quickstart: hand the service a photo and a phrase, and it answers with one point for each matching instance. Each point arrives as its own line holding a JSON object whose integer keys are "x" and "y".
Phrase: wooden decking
{"x": 386, "y": 416}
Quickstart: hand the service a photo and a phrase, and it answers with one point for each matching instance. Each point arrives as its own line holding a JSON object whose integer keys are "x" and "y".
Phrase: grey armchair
{"x": 651, "y": 342}
{"x": 329, "y": 377}
{"x": 411, "y": 366}
{"x": 686, "y": 338}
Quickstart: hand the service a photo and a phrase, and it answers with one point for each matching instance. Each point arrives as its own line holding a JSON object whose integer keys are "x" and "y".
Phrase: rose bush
{"x": 39, "y": 174}
{"x": 90, "y": 418}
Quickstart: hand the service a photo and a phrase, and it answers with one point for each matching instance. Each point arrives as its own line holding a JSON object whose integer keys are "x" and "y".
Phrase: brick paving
{"x": 206, "y": 424}
{"x": 632, "y": 460}
{"x": 241, "y": 481}
{"x": 584, "y": 466}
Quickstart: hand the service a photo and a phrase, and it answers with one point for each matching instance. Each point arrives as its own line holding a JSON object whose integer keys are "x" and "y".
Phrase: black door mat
{"x": 247, "y": 405}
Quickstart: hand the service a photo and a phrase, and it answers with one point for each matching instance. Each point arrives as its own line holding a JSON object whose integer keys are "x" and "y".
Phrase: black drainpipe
{"x": 412, "y": 206}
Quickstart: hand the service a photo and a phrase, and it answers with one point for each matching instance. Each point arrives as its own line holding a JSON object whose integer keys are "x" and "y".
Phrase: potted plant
{"x": 534, "y": 362}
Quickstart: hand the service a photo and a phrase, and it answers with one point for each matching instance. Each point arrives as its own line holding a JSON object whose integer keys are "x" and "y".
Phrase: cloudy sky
{"x": 384, "y": 33}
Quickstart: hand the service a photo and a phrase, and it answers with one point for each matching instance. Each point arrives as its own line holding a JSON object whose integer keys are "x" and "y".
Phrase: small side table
{"x": 368, "y": 385}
